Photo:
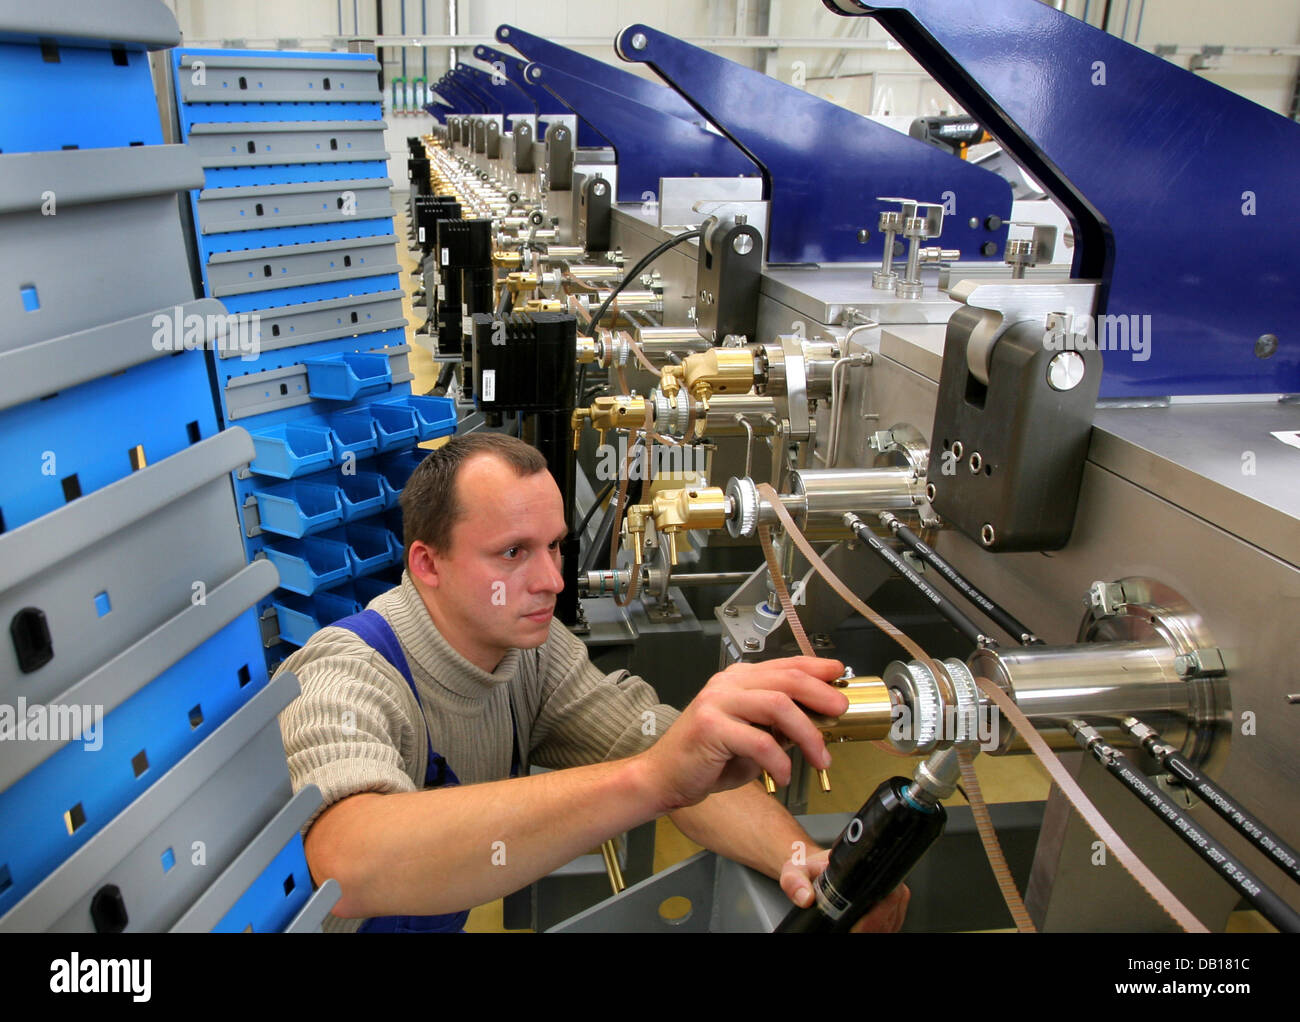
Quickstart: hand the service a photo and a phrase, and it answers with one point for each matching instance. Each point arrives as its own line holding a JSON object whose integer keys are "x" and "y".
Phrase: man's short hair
{"x": 429, "y": 505}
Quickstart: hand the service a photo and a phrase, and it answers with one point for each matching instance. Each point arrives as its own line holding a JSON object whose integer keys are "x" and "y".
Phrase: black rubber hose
{"x": 635, "y": 272}
{"x": 993, "y": 611}
{"x": 591, "y": 511}
{"x": 445, "y": 375}
{"x": 1274, "y": 848}
{"x": 1237, "y": 876}
{"x": 599, "y": 548}
{"x": 941, "y": 603}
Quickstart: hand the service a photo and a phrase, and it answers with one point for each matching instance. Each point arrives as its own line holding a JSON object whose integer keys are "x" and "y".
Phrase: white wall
{"x": 877, "y": 80}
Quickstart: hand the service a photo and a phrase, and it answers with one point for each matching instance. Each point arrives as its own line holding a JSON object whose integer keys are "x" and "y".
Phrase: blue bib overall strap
{"x": 376, "y": 632}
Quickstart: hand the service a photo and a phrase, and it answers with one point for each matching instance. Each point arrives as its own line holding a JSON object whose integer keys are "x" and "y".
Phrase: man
{"x": 413, "y": 718}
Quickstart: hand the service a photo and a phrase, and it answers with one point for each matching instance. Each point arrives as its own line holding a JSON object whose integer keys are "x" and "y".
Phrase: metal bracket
{"x": 1072, "y": 104}
{"x": 820, "y": 201}
{"x": 650, "y": 143}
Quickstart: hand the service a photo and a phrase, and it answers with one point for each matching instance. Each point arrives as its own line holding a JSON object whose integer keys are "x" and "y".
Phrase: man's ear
{"x": 423, "y": 562}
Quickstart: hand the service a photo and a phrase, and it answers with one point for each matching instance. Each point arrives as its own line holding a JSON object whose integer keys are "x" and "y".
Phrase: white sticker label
{"x": 467, "y": 326}
{"x": 442, "y": 293}
{"x": 421, "y": 235}
{"x": 1289, "y": 436}
{"x": 446, "y": 257}
{"x": 489, "y": 384}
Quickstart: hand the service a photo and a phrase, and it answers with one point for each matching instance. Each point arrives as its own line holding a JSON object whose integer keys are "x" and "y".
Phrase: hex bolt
{"x": 751, "y": 643}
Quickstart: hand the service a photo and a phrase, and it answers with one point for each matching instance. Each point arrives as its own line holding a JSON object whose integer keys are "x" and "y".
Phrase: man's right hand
{"x": 729, "y": 732}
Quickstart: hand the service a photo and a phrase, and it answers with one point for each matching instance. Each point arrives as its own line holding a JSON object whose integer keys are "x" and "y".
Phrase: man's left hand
{"x": 886, "y": 917}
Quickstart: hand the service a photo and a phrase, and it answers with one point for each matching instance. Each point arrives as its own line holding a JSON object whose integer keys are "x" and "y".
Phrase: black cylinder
{"x": 871, "y": 857}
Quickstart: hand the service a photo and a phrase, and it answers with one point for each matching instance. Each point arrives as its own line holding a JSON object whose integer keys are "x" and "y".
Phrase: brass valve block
{"x": 716, "y": 371}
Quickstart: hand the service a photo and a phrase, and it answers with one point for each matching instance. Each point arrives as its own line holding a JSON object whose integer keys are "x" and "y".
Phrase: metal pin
{"x": 824, "y": 779}
{"x": 769, "y": 785}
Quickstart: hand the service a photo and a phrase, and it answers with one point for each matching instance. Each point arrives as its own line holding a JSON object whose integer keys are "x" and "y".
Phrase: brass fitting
{"x": 716, "y": 371}
{"x": 869, "y": 716}
{"x": 507, "y": 260}
{"x": 673, "y": 511}
{"x": 610, "y": 412}
{"x": 586, "y": 350}
{"x": 520, "y": 281}
{"x": 543, "y": 305}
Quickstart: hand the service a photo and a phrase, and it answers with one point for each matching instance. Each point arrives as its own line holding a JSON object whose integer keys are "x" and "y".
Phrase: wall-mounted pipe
{"x": 453, "y": 27}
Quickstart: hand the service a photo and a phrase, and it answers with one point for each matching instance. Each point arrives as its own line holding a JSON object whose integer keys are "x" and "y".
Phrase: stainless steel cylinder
{"x": 591, "y": 271}
{"x": 564, "y": 252}
{"x": 1098, "y": 682}
{"x": 628, "y": 300}
{"x": 819, "y": 360}
{"x": 827, "y": 493}
{"x": 723, "y": 409}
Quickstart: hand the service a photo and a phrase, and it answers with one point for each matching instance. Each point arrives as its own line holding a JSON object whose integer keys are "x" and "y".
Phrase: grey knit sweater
{"x": 356, "y": 726}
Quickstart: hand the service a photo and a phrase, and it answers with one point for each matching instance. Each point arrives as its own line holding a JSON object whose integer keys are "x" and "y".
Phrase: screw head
{"x": 598, "y": 188}
{"x": 1266, "y": 346}
{"x": 930, "y": 492}
{"x": 1065, "y": 371}
{"x": 864, "y": 236}
{"x": 742, "y": 244}
{"x": 751, "y": 643}
{"x": 993, "y": 223}
{"x": 974, "y": 222}
{"x": 730, "y": 611}
{"x": 989, "y": 248}
{"x": 639, "y": 41}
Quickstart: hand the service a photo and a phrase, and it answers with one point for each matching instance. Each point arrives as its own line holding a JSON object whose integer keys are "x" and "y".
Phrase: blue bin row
{"x": 307, "y": 506}
{"x": 289, "y": 450}
{"x": 301, "y": 617}
{"x": 318, "y": 562}
{"x": 65, "y": 801}
{"x": 275, "y": 897}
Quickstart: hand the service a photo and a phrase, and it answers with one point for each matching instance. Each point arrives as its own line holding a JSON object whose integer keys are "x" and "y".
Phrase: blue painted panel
{"x": 90, "y": 430}
{"x": 649, "y": 144}
{"x": 1183, "y": 195}
{"x": 824, "y": 167}
{"x": 103, "y": 775}
{"x": 275, "y": 897}
{"x": 84, "y": 100}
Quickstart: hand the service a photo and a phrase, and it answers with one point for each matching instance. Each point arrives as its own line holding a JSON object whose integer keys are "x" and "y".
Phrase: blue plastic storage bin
{"x": 370, "y": 548}
{"x": 434, "y": 416}
{"x": 366, "y": 589}
{"x": 394, "y": 423}
{"x": 353, "y": 432}
{"x": 290, "y": 449}
{"x": 397, "y": 469}
{"x": 363, "y": 494}
{"x": 297, "y": 509}
{"x": 306, "y": 565}
{"x": 348, "y": 375}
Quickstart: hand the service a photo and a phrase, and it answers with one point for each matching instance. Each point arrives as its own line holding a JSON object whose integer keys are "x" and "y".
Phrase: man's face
{"x": 495, "y": 586}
